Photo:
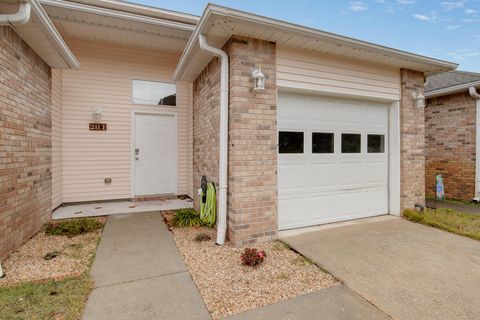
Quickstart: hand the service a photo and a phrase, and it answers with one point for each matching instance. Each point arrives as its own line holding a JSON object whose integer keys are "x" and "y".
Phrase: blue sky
{"x": 448, "y": 30}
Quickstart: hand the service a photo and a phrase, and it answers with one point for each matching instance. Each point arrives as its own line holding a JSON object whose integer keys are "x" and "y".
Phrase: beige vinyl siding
{"x": 304, "y": 70}
{"x": 105, "y": 80}
{"x": 57, "y": 184}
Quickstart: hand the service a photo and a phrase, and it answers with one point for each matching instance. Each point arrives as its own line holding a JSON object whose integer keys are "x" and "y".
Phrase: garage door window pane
{"x": 376, "y": 143}
{"x": 351, "y": 143}
{"x": 290, "y": 142}
{"x": 322, "y": 142}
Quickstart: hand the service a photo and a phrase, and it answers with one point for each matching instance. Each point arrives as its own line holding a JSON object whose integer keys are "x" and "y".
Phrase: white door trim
{"x": 132, "y": 145}
{"x": 394, "y": 158}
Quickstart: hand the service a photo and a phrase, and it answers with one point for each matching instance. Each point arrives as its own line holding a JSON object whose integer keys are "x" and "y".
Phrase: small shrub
{"x": 252, "y": 257}
{"x": 186, "y": 218}
{"x": 72, "y": 227}
{"x": 202, "y": 237}
{"x": 52, "y": 254}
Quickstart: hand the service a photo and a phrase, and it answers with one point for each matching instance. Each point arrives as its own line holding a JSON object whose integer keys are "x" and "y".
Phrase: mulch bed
{"x": 228, "y": 287}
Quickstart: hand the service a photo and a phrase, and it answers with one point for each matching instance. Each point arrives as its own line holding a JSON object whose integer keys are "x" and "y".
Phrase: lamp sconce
{"x": 258, "y": 80}
{"x": 419, "y": 99}
{"x": 97, "y": 113}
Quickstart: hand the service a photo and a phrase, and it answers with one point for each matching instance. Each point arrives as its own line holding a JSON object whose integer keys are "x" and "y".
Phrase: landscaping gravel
{"x": 228, "y": 287}
{"x": 28, "y": 263}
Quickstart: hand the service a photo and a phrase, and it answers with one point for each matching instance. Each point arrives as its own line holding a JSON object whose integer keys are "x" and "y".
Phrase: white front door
{"x": 332, "y": 161}
{"x": 155, "y": 154}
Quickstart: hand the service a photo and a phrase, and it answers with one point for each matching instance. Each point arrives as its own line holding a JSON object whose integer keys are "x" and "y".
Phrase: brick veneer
{"x": 252, "y": 165}
{"x": 25, "y": 141}
{"x": 412, "y": 141}
{"x": 206, "y": 124}
{"x": 450, "y": 144}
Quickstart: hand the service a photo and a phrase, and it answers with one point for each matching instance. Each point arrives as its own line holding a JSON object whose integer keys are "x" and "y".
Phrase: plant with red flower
{"x": 252, "y": 257}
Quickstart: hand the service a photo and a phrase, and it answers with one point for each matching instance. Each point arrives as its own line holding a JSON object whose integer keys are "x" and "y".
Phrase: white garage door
{"x": 332, "y": 161}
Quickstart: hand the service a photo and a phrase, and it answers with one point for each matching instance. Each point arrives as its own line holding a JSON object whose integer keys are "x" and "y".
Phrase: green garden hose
{"x": 208, "y": 209}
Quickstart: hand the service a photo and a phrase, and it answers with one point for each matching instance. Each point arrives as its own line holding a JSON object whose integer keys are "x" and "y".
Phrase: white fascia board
{"x": 53, "y": 35}
{"x": 118, "y": 14}
{"x": 287, "y": 27}
{"x": 451, "y": 90}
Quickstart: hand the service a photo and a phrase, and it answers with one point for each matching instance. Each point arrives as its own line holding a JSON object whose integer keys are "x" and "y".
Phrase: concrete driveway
{"x": 407, "y": 270}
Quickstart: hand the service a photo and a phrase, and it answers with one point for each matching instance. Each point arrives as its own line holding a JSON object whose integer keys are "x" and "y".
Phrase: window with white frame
{"x": 154, "y": 93}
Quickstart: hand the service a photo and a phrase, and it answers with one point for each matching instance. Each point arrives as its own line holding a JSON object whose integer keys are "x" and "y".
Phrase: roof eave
{"x": 451, "y": 90}
{"x": 86, "y": 8}
{"x": 54, "y": 36}
{"x": 211, "y": 10}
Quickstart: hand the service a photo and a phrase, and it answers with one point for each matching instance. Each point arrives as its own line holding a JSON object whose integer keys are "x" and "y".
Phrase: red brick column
{"x": 25, "y": 142}
{"x": 412, "y": 141}
{"x": 450, "y": 138}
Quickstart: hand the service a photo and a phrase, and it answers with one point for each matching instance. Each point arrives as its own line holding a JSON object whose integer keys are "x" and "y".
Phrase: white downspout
{"x": 475, "y": 95}
{"x": 222, "y": 171}
{"x": 15, "y": 19}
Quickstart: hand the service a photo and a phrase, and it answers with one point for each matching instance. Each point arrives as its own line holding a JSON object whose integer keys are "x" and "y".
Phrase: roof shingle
{"x": 450, "y": 79}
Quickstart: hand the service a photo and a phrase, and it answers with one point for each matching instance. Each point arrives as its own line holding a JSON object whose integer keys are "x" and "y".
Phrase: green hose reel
{"x": 208, "y": 203}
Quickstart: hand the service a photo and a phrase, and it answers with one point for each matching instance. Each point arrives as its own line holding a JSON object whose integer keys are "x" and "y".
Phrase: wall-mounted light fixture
{"x": 97, "y": 113}
{"x": 419, "y": 99}
{"x": 258, "y": 80}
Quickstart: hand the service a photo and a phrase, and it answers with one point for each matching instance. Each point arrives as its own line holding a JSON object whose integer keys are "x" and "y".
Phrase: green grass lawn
{"x": 51, "y": 300}
{"x": 464, "y": 224}
{"x": 63, "y": 299}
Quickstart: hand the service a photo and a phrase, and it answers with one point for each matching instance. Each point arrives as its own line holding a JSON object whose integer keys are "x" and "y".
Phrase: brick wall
{"x": 206, "y": 124}
{"x": 412, "y": 141}
{"x": 252, "y": 166}
{"x": 252, "y": 196}
{"x": 450, "y": 144}
{"x": 25, "y": 142}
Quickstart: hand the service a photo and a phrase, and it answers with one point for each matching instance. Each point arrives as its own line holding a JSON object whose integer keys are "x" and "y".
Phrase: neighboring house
{"x": 336, "y": 133}
{"x": 451, "y": 133}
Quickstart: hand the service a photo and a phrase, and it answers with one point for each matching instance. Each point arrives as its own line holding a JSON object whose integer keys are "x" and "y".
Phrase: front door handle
{"x": 137, "y": 151}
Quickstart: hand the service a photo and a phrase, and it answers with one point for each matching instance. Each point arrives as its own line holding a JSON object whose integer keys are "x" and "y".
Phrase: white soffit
{"x": 42, "y": 36}
{"x": 90, "y": 22}
{"x": 220, "y": 23}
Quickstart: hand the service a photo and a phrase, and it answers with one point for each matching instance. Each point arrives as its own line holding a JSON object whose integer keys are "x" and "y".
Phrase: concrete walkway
{"x": 475, "y": 209}
{"x": 103, "y": 208}
{"x": 407, "y": 270}
{"x": 139, "y": 273}
{"x": 335, "y": 303}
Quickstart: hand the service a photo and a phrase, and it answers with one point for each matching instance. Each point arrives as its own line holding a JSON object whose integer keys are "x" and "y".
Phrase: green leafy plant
{"x": 202, "y": 237}
{"x": 252, "y": 257}
{"x": 186, "y": 218}
{"x": 72, "y": 227}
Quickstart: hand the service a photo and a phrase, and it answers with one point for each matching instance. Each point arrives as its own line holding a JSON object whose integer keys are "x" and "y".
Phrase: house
{"x": 451, "y": 133}
{"x": 296, "y": 126}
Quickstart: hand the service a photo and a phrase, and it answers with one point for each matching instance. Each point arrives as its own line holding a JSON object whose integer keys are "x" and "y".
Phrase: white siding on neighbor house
{"x": 105, "y": 80}
{"x": 309, "y": 71}
{"x": 57, "y": 185}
